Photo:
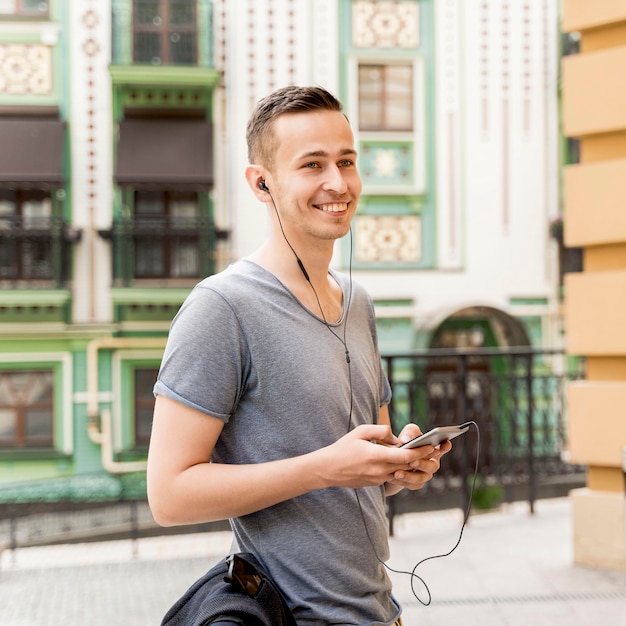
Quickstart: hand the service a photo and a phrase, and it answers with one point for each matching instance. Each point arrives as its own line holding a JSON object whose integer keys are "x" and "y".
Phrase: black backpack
{"x": 236, "y": 591}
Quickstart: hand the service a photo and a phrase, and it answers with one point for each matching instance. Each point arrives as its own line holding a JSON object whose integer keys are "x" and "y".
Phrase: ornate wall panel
{"x": 386, "y": 163}
{"x": 385, "y": 24}
{"x": 388, "y": 239}
{"x": 25, "y": 69}
{"x": 388, "y": 230}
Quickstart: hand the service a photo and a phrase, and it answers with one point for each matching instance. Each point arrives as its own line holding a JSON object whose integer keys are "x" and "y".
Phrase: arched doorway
{"x": 463, "y": 383}
{"x": 477, "y": 326}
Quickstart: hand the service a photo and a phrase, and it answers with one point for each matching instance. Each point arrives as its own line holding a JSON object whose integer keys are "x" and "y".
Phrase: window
{"x": 144, "y": 404}
{"x": 166, "y": 234}
{"x": 164, "y": 32}
{"x": 25, "y": 234}
{"x": 28, "y": 8}
{"x": 26, "y": 409}
{"x": 385, "y": 97}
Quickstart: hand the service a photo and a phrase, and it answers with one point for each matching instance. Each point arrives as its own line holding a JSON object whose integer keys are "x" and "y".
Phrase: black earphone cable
{"x": 346, "y": 309}
{"x": 413, "y": 575}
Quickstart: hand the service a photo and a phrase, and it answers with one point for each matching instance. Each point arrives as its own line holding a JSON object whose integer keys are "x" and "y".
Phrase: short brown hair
{"x": 291, "y": 99}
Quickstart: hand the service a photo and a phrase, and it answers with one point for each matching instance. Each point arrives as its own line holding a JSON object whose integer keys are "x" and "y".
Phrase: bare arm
{"x": 184, "y": 487}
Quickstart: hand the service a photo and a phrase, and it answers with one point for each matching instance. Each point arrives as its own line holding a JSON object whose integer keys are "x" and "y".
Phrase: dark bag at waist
{"x": 235, "y": 591}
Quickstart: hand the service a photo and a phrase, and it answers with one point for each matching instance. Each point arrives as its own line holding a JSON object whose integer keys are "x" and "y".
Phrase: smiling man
{"x": 271, "y": 390}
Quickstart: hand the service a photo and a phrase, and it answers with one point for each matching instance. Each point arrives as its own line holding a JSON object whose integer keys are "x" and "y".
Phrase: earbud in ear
{"x": 263, "y": 186}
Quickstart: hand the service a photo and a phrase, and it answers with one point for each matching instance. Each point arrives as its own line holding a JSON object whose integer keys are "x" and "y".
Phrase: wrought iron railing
{"x": 35, "y": 250}
{"x": 516, "y": 398}
{"x": 90, "y": 507}
{"x": 162, "y": 247}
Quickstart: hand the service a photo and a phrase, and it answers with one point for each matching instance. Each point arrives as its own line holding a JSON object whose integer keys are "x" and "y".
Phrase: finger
{"x": 374, "y": 432}
{"x": 445, "y": 447}
{"x": 428, "y": 466}
{"x": 424, "y": 452}
{"x": 411, "y": 480}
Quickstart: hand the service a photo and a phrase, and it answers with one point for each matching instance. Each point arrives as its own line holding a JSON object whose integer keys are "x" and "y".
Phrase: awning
{"x": 165, "y": 152}
{"x": 31, "y": 150}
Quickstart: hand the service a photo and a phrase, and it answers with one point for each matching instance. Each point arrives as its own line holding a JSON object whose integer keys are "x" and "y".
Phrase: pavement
{"x": 511, "y": 568}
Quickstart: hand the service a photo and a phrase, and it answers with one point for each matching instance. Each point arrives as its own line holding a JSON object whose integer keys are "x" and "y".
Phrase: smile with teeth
{"x": 335, "y": 207}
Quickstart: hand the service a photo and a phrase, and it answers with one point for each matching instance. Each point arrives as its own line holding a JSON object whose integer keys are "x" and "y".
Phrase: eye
{"x": 346, "y": 163}
{"x": 311, "y": 165}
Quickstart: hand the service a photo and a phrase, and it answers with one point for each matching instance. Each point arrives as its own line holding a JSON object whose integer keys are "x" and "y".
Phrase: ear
{"x": 254, "y": 175}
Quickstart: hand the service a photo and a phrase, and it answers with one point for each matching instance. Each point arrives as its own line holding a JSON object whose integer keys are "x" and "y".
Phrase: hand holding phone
{"x": 437, "y": 436}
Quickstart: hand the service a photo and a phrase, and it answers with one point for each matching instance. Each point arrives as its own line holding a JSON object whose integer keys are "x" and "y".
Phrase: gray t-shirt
{"x": 243, "y": 349}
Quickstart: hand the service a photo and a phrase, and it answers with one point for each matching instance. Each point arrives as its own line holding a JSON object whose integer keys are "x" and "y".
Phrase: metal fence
{"x": 61, "y": 521}
{"x": 516, "y": 397}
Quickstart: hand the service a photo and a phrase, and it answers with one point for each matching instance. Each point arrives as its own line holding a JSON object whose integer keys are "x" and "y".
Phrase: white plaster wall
{"x": 269, "y": 44}
{"x": 496, "y": 141}
{"x": 496, "y": 160}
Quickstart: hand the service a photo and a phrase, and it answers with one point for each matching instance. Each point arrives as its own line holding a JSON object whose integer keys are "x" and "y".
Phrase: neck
{"x": 310, "y": 283}
{"x": 294, "y": 262}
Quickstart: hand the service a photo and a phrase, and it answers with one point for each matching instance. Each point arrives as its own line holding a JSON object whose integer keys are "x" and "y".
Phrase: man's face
{"x": 316, "y": 185}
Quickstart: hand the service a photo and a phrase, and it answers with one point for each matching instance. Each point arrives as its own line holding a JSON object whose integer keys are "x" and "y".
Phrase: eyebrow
{"x": 323, "y": 153}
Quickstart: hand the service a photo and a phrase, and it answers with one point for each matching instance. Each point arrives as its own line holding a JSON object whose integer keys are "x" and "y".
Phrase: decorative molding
{"x": 505, "y": 76}
{"x": 47, "y": 32}
{"x": 526, "y": 66}
{"x": 292, "y": 47}
{"x": 91, "y": 50}
{"x": 26, "y": 69}
{"x": 549, "y": 122}
{"x": 91, "y": 136}
{"x": 149, "y": 97}
{"x": 220, "y": 21}
{"x": 164, "y": 75}
{"x": 388, "y": 239}
{"x": 387, "y": 163}
{"x": 384, "y": 24}
{"x": 485, "y": 75}
{"x": 251, "y": 29}
{"x": 270, "y": 65}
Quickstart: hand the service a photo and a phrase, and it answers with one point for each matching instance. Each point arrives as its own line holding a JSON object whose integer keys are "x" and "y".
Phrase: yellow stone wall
{"x": 594, "y": 110}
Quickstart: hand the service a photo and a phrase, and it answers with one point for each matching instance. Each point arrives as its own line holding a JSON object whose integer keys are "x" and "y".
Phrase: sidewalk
{"x": 510, "y": 569}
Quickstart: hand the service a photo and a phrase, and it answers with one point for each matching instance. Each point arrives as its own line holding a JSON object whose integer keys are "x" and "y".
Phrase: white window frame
{"x": 417, "y": 136}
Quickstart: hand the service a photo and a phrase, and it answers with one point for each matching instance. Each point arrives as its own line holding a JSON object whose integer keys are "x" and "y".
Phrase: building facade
{"x": 594, "y": 99}
{"x": 121, "y": 186}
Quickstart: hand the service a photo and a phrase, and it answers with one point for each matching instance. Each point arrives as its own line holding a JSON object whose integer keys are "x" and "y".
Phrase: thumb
{"x": 380, "y": 433}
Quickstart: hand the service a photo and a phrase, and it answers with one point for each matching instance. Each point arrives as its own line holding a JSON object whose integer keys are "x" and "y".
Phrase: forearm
{"x": 208, "y": 492}
{"x": 185, "y": 488}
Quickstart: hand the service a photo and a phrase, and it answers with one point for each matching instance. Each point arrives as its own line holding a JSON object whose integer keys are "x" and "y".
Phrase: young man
{"x": 271, "y": 391}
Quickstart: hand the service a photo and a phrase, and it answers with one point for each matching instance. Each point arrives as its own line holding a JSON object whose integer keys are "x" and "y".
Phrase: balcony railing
{"x": 35, "y": 251}
{"x": 181, "y": 247}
